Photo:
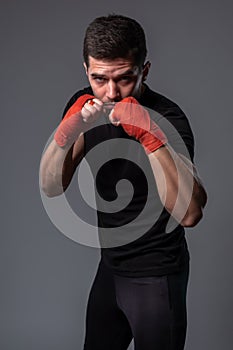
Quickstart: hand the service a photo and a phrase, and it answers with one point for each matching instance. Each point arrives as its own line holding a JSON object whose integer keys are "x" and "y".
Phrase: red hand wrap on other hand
{"x": 72, "y": 124}
{"x": 136, "y": 122}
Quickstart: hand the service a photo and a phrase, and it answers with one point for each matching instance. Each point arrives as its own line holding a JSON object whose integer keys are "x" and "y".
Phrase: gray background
{"x": 45, "y": 277}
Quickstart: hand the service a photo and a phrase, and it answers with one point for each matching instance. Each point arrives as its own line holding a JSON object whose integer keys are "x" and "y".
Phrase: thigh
{"x": 156, "y": 310}
{"x": 106, "y": 325}
{"x": 145, "y": 302}
{"x": 177, "y": 284}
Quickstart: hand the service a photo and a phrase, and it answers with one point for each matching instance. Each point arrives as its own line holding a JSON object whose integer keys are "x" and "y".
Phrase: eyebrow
{"x": 128, "y": 72}
{"x": 93, "y": 75}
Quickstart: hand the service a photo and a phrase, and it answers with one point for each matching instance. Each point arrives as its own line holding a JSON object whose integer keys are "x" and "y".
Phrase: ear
{"x": 85, "y": 67}
{"x": 145, "y": 70}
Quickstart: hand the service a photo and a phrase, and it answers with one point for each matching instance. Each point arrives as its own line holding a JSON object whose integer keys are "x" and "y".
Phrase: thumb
{"x": 113, "y": 118}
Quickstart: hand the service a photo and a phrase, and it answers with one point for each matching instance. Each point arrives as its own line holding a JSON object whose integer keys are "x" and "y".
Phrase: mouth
{"x": 109, "y": 105}
{"x": 107, "y": 108}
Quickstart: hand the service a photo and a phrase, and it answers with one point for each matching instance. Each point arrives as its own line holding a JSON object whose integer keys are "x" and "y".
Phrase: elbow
{"x": 192, "y": 219}
{"x": 50, "y": 190}
{"x": 51, "y": 193}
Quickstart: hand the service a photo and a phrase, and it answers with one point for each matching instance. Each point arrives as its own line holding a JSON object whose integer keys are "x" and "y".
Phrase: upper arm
{"x": 73, "y": 158}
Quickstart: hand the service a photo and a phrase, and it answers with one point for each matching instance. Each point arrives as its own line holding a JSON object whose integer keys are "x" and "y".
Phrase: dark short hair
{"x": 115, "y": 36}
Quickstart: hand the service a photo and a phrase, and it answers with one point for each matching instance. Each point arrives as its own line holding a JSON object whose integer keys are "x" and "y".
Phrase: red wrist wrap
{"x": 136, "y": 122}
{"x": 72, "y": 124}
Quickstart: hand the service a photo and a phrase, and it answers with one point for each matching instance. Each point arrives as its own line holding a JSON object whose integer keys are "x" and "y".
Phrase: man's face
{"x": 113, "y": 80}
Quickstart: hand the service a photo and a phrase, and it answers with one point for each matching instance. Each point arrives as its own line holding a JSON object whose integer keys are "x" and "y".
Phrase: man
{"x": 140, "y": 288}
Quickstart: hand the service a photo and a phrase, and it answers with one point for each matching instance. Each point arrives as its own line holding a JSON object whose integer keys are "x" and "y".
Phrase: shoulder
{"x": 157, "y": 101}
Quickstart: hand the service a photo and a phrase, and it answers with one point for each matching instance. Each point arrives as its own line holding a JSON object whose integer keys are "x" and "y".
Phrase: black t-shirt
{"x": 138, "y": 236}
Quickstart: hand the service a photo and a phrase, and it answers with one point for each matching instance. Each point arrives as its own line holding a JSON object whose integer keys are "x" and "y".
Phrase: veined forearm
{"x": 180, "y": 192}
{"x": 51, "y": 169}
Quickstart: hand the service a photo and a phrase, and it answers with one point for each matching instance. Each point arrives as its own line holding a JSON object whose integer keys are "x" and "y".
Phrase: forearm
{"x": 180, "y": 191}
{"x": 67, "y": 148}
{"x": 51, "y": 169}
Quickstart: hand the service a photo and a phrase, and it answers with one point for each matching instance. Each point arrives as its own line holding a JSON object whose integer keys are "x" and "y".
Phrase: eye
{"x": 126, "y": 79}
{"x": 99, "y": 79}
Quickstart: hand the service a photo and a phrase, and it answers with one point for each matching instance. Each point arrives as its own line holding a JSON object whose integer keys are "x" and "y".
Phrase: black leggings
{"x": 152, "y": 310}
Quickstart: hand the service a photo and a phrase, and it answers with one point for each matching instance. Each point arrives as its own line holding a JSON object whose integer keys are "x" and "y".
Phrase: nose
{"x": 112, "y": 92}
